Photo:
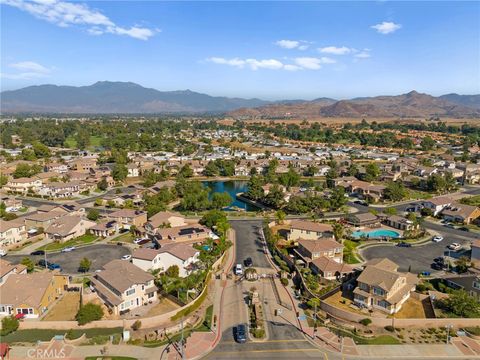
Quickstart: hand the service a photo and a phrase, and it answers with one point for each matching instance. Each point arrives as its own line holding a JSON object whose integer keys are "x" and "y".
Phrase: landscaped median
{"x": 78, "y": 241}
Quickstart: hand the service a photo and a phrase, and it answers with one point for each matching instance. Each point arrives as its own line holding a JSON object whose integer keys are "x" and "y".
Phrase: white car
{"x": 126, "y": 257}
{"x": 455, "y": 246}
{"x": 68, "y": 249}
{"x": 437, "y": 238}
{"x": 3, "y": 252}
{"x": 238, "y": 270}
{"x": 137, "y": 240}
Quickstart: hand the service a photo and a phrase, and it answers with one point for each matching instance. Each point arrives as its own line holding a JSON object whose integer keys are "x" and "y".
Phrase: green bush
{"x": 258, "y": 333}
{"x": 474, "y": 330}
{"x": 88, "y": 313}
{"x": 136, "y": 325}
{"x": 9, "y": 325}
{"x": 284, "y": 281}
{"x": 389, "y": 328}
{"x": 365, "y": 321}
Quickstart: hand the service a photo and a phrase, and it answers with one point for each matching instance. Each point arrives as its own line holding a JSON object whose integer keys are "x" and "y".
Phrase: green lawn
{"x": 81, "y": 240}
{"x": 418, "y": 195}
{"x": 472, "y": 200}
{"x": 71, "y": 142}
{"x": 34, "y": 335}
{"x": 206, "y": 325}
{"x": 349, "y": 251}
{"x": 126, "y": 238}
{"x": 360, "y": 340}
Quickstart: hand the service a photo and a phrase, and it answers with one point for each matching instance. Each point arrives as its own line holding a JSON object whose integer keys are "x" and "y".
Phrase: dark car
{"x": 53, "y": 266}
{"x": 241, "y": 334}
{"x": 404, "y": 244}
{"x": 360, "y": 202}
{"x": 439, "y": 259}
{"x": 248, "y": 262}
{"x": 38, "y": 252}
{"x": 438, "y": 266}
{"x": 464, "y": 228}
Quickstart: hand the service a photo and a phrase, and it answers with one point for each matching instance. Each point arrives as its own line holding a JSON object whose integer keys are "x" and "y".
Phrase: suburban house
{"x": 190, "y": 233}
{"x": 165, "y": 219}
{"x": 400, "y": 222}
{"x": 381, "y": 287}
{"x": 12, "y": 231}
{"x": 330, "y": 269}
{"x": 129, "y": 217}
{"x": 124, "y": 286}
{"x": 470, "y": 283}
{"x": 475, "y": 257}
{"x": 11, "y": 203}
{"x": 105, "y": 228}
{"x": 323, "y": 247}
{"x": 437, "y": 204}
{"x": 83, "y": 165}
{"x": 133, "y": 170}
{"x": 23, "y": 185}
{"x": 31, "y": 294}
{"x": 42, "y": 219}
{"x": 7, "y": 269}
{"x": 60, "y": 189}
{"x": 182, "y": 255}
{"x": 461, "y": 213}
{"x": 308, "y": 230}
{"x": 67, "y": 228}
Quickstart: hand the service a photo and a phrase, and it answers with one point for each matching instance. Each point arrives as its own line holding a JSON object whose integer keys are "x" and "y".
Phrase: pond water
{"x": 233, "y": 187}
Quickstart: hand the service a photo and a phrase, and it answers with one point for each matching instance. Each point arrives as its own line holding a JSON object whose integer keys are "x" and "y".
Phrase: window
{"x": 476, "y": 284}
{"x": 30, "y": 311}
{"x": 378, "y": 291}
{"x": 130, "y": 292}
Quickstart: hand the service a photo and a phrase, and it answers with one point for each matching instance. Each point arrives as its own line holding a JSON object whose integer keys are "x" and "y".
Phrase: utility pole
{"x": 314, "y": 321}
{"x": 448, "y": 333}
{"x": 45, "y": 258}
{"x": 181, "y": 342}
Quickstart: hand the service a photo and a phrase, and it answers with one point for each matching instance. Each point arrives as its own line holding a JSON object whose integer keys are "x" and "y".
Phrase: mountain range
{"x": 105, "y": 97}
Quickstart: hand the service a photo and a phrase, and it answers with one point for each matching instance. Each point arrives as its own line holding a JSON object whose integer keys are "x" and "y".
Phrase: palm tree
{"x": 338, "y": 231}
{"x": 280, "y": 217}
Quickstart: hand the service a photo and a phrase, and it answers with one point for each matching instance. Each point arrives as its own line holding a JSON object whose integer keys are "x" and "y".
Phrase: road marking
{"x": 265, "y": 351}
{"x": 325, "y": 356}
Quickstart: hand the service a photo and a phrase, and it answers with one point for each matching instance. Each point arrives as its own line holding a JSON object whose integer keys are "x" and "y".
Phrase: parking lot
{"x": 99, "y": 255}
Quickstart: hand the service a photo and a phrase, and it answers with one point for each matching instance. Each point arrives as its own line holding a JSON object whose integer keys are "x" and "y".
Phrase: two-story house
{"x": 129, "y": 217}
{"x": 437, "y": 204}
{"x": 67, "y": 228}
{"x": 182, "y": 255}
{"x": 186, "y": 233}
{"x": 7, "y": 269}
{"x": 308, "y": 230}
{"x": 12, "y": 232}
{"x": 381, "y": 287}
{"x": 123, "y": 286}
{"x": 23, "y": 185}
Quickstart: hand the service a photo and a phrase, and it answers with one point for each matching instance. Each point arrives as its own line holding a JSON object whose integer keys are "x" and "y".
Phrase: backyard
{"x": 65, "y": 309}
{"x": 81, "y": 240}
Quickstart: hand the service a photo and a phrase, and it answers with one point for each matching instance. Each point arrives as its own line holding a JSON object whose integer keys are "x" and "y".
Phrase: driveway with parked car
{"x": 99, "y": 255}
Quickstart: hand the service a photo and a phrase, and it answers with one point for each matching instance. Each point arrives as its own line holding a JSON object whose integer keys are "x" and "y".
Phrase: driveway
{"x": 99, "y": 255}
{"x": 249, "y": 242}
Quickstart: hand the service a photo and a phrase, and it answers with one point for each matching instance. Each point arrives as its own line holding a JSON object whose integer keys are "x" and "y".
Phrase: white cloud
{"x": 30, "y": 66}
{"x": 386, "y": 27}
{"x": 313, "y": 63}
{"x": 26, "y": 70}
{"x": 66, "y": 14}
{"x": 264, "y": 64}
{"x": 290, "y": 67}
{"x": 300, "y": 63}
{"x": 232, "y": 62}
{"x": 292, "y": 44}
{"x": 334, "y": 50}
{"x": 364, "y": 54}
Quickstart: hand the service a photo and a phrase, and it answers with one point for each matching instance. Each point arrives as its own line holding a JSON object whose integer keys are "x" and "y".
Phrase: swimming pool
{"x": 376, "y": 234}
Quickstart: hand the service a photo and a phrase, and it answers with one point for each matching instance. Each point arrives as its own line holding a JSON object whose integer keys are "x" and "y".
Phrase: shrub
{"x": 284, "y": 281}
{"x": 9, "y": 325}
{"x": 136, "y": 325}
{"x": 365, "y": 321}
{"x": 258, "y": 333}
{"x": 474, "y": 330}
{"x": 389, "y": 328}
{"x": 89, "y": 312}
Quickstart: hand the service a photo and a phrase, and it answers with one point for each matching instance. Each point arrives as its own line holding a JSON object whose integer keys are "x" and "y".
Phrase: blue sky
{"x": 271, "y": 50}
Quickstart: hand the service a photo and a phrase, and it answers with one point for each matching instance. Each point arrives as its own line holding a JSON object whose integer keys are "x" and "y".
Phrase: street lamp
{"x": 448, "y": 327}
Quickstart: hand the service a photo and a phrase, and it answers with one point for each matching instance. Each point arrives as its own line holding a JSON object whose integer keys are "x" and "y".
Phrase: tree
{"x": 338, "y": 231}
{"x": 102, "y": 185}
{"x": 332, "y": 174}
{"x": 185, "y": 172}
{"x": 311, "y": 170}
{"x": 173, "y": 271}
{"x": 290, "y": 178}
{"x": 254, "y": 188}
{"x": 461, "y": 304}
{"x": 462, "y": 264}
{"x": 390, "y": 211}
{"x": 395, "y": 191}
{"x": 212, "y": 217}
{"x": 41, "y": 150}
{"x": 9, "y": 325}
{"x": 93, "y": 214}
{"x": 28, "y": 263}
{"x": 280, "y": 216}
{"x": 337, "y": 198}
{"x": 84, "y": 265}
{"x": 274, "y": 197}
{"x": 88, "y": 313}
{"x": 222, "y": 227}
{"x": 427, "y": 143}
{"x": 119, "y": 172}
{"x": 352, "y": 169}
{"x": 195, "y": 197}
{"x": 220, "y": 200}
{"x": 25, "y": 170}
{"x": 313, "y": 303}
{"x": 211, "y": 169}
{"x": 372, "y": 172}
{"x": 3, "y": 180}
{"x": 136, "y": 325}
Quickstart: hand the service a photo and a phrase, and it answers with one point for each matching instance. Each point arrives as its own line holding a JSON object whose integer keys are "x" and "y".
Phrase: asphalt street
{"x": 99, "y": 255}
{"x": 249, "y": 243}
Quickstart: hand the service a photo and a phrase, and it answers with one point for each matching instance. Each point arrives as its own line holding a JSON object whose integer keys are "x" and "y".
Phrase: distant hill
{"x": 115, "y": 97}
{"x": 472, "y": 101}
{"x": 412, "y": 104}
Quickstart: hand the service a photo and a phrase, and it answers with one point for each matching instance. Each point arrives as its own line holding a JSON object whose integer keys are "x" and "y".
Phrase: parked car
{"x": 248, "y": 262}
{"x": 439, "y": 266}
{"x": 238, "y": 270}
{"x": 68, "y": 249}
{"x": 241, "y": 334}
{"x": 464, "y": 228}
{"x": 138, "y": 240}
{"x": 437, "y": 238}
{"x": 3, "y": 252}
{"x": 126, "y": 257}
{"x": 143, "y": 241}
{"x": 439, "y": 259}
{"x": 455, "y": 246}
{"x": 38, "y": 252}
{"x": 404, "y": 244}
{"x": 53, "y": 266}
{"x": 361, "y": 202}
